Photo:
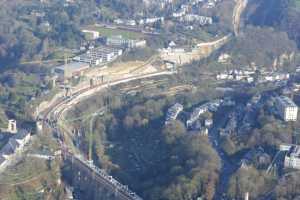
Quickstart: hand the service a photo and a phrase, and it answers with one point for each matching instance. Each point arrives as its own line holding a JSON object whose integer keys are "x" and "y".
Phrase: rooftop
{"x": 73, "y": 66}
{"x": 294, "y": 151}
{"x": 13, "y": 143}
{"x": 286, "y": 101}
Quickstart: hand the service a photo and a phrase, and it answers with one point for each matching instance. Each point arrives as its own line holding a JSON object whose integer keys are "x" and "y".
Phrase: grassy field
{"x": 108, "y": 32}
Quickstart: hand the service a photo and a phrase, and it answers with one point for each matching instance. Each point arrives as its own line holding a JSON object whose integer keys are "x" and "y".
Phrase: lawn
{"x": 108, "y": 32}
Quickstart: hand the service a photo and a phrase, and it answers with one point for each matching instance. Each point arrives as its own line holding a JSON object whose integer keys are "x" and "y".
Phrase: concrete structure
{"x": 208, "y": 122}
{"x": 15, "y": 145}
{"x": 99, "y": 55}
{"x": 39, "y": 126}
{"x": 126, "y": 43}
{"x": 173, "y": 112}
{"x": 95, "y": 34}
{"x": 286, "y": 108}
{"x": 12, "y": 126}
{"x": 85, "y": 174}
{"x": 292, "y": 158}
{"x": 70, "y": 70}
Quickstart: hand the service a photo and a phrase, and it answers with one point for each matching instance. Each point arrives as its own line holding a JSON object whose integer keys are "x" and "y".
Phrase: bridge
{"x": 53, "y": 114}
{"x": 121, "y": 191}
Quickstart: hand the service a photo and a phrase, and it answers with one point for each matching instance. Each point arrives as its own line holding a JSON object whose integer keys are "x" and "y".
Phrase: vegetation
{"x": 156, "y": 161}
{"x": 262, "y": 46}
{"x": 186, "y": 159}
{"x": 109, "y": 32}
{"x": 140, "y": 54}
{"x": 283, "y": 15}
{"x": 33, "y": 178}
{"x": 250, "y": 180}
{"x": 288, "y": 187}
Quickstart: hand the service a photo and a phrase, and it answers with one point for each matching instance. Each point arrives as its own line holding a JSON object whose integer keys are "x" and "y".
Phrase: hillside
{"x": 282, "y": 15}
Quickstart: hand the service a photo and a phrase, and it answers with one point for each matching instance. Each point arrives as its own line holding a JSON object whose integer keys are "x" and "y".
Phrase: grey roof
{"x": 73, "y": 66}
{"x": 12, "y": 143}
{"x": 294, "y": 151}
{"x": 287, "y": 102}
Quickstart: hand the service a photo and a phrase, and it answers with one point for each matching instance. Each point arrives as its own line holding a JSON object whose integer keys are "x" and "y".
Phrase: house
{"x": 286, "y": 108}
{"x": 173, "y": 112}
{"x": 224, "y": 58}
{"x": 11, "y": 127}
{"x": 292, "y": 158}
{"x": 14, "y": 145}
{"x": 208, "y": 122}
{"x": 70, "y": 70}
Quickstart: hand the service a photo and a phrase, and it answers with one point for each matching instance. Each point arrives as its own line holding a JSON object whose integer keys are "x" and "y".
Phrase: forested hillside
{"x": 283, "y": 15}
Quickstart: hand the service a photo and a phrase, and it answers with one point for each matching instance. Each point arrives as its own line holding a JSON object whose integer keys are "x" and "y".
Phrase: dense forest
{"x": 282, "y": 15}
{"x": 265, "y": 47}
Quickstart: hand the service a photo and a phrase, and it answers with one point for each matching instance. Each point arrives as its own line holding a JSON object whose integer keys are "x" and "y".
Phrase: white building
{"x": 197, "y": 112}
{"x": 286, "y": 108}
{"x": 173, "y": 112}
{"x": 292, "y": 158}
{"x": 99, "y": 55}
{"x": 123, "y": 42}
{"x": 95, "y": 34}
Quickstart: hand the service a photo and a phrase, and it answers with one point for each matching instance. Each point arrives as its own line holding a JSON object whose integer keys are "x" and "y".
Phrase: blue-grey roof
{"x": 287, "y": 102}
{"x": 12, "y": 143}
{"x": 73, "y": 66}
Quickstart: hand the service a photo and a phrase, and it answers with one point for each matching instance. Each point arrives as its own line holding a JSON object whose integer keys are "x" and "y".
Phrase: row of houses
{"x": 145, "y": 21}
{"x": 248, "y": 76}
{"x": 202, "y": 20}
{"x": 198, "y": 127}
{"x": 120, "y": 41}
{"x": 211, "y": 106}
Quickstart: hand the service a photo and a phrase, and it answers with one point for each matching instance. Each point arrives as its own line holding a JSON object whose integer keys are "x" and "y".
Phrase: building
{"x": 99, "y": 55}
{"x": 94, "y": 34}
{"x": 14, "y": 145}
{"x": 70, "y": 70}
{"x": 197, "y": 112}
{"x": 118, "y": 40}
{"x": 292, "y": 158}
{"x": 286, "y": 108}
{"x": 173, "y": 112}
{"x": 208, "y": 123}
